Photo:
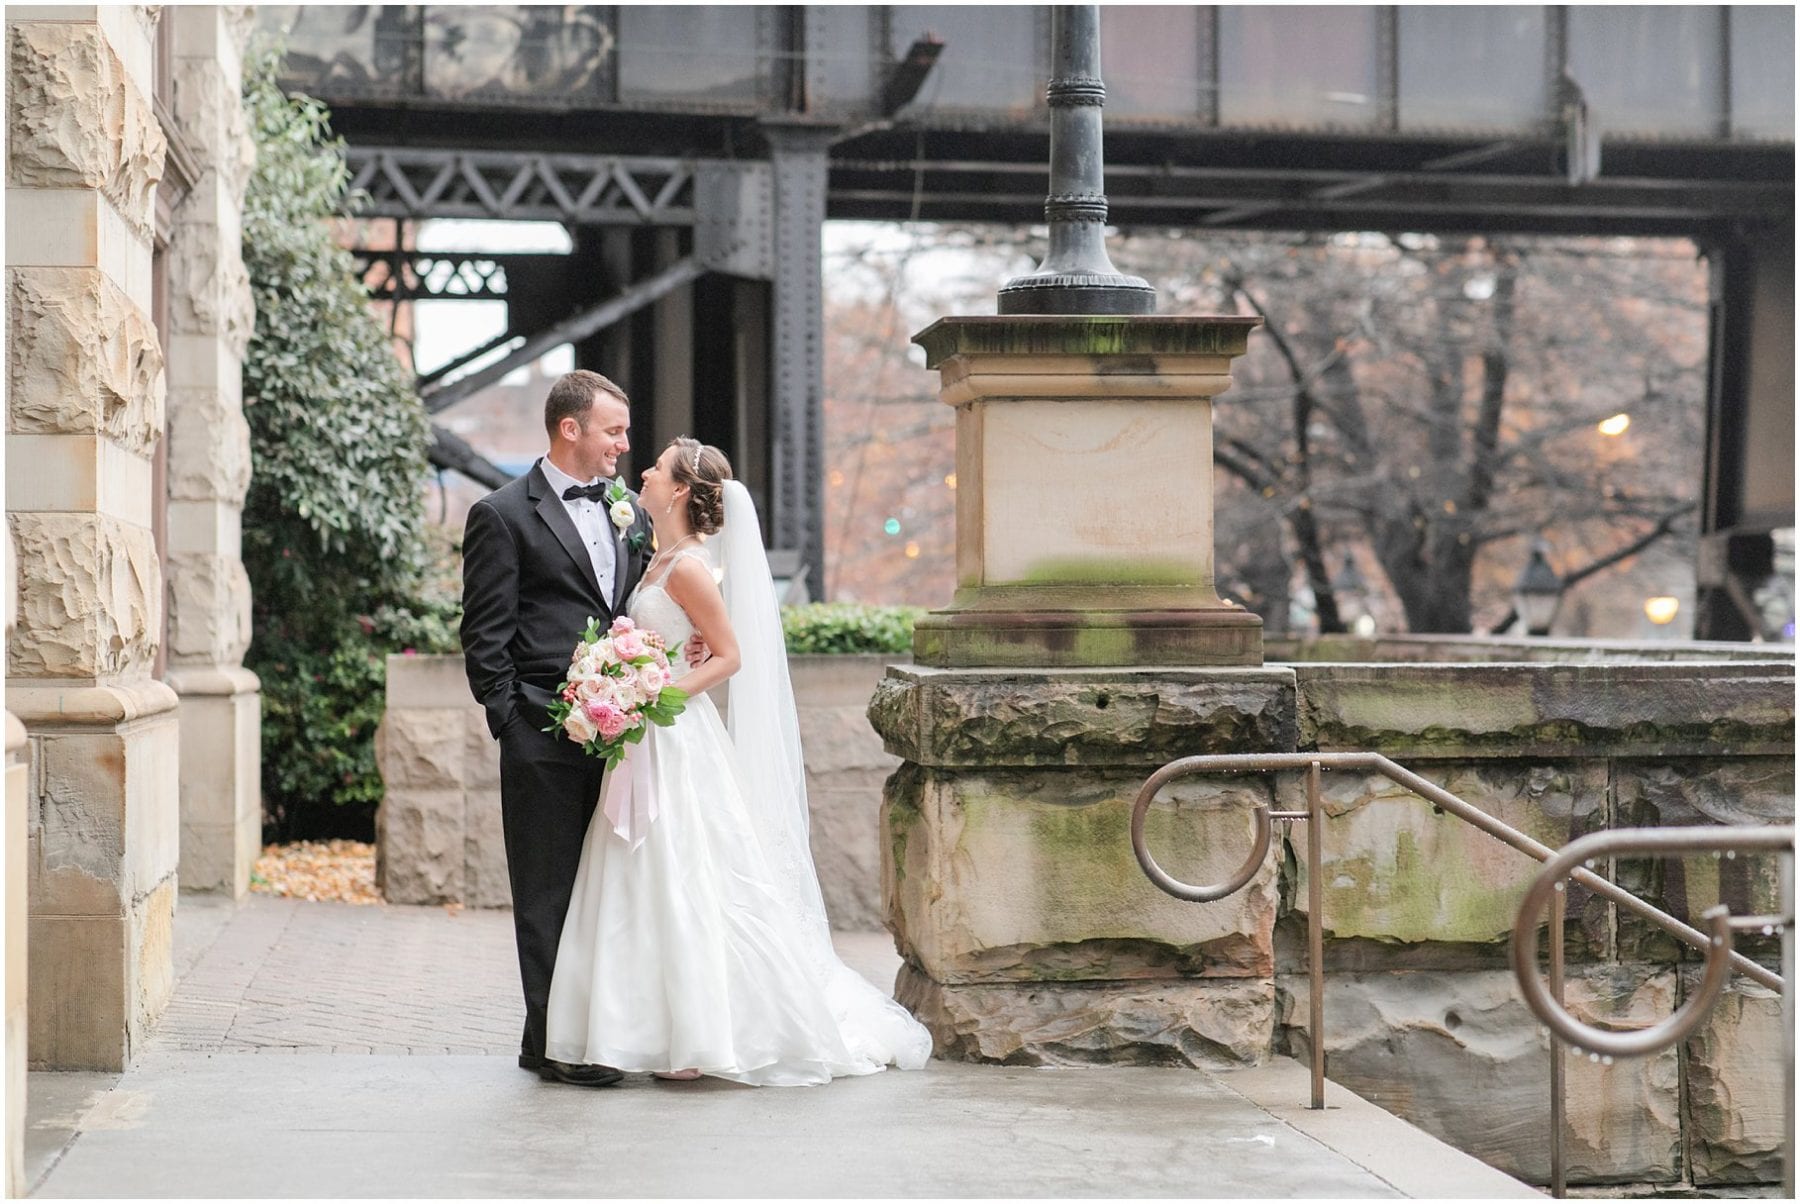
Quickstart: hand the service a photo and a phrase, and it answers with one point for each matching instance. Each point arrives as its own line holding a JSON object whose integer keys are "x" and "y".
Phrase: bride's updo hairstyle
{"x": 704, "y": 470}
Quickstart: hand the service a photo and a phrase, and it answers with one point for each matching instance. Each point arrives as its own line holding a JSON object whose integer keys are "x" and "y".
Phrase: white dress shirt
{"x": 591, "y": 522}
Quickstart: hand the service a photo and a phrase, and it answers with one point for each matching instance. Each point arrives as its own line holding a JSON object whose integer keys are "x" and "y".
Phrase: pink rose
{"x": 622, "y": 624}
{"x": 611, "y": 721}
{"x": 629, "y": 645}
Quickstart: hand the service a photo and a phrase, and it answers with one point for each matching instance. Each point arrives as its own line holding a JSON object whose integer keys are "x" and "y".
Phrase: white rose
{"x": 622, "y": 513}
{"x": 651, "y": 679}
{"x": 579, "y": 727}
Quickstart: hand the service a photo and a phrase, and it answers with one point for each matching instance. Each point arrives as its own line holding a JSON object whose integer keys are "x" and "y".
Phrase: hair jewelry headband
{"x": 696, "y": 467}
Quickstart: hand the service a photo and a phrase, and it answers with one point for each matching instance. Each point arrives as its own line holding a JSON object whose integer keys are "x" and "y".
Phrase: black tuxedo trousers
{"x": 529, "y": 589}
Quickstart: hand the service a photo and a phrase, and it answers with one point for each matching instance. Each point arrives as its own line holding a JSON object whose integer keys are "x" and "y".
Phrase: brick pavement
{"x": 274, "y": 976}
{"x": 288, "y": 976}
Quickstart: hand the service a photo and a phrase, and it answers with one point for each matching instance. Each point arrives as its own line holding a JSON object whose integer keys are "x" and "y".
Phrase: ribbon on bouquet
{"x": 630, "y": 800}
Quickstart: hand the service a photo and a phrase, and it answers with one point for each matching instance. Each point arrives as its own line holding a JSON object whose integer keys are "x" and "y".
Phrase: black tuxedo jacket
{"x": 528, "y": 592}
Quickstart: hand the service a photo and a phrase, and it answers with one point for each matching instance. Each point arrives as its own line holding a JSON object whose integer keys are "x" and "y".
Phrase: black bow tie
{"x": 593, "y": 493}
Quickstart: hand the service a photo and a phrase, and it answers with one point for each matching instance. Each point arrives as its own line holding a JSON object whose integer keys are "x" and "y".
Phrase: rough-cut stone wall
{"x": 18, "y": 910}
{"x": 1032, "y": 937}
{"x": 85, "y": 412}
{"x": 211, "y": 318}
{"x": 438, "y": 829}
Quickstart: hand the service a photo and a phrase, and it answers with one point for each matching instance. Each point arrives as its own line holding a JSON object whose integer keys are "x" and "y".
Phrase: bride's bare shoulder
{"x": 691, "y": 576}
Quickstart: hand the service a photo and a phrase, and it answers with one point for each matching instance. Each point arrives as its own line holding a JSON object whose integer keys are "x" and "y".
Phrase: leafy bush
{"x": 849, "y": 627}
{"x": 335, "y": 543}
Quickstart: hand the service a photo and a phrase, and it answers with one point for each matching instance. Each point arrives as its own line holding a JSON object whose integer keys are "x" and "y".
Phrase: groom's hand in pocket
{"x": 696, "y": 651}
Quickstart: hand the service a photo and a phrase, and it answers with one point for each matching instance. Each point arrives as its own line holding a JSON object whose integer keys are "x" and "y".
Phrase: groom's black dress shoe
{"x": 579, "y": 1076}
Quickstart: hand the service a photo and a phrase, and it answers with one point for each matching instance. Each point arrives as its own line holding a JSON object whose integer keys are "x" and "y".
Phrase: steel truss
{"x": 591, "y": 190}
{"x": 444, "y": 276}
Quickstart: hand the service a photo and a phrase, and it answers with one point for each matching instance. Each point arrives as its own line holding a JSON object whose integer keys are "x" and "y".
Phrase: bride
{"x": 696, "y": 940}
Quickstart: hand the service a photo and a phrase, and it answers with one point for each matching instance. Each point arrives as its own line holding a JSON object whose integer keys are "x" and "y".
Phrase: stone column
{"x": 211, "y": 318}
{"x": 84, "y": 413}
{"x": 18, "y": 908}
{"x": 1084, "y": 524}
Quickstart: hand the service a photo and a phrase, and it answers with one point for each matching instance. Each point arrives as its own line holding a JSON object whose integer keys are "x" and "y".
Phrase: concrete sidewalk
{"x": 399, "y": 1026}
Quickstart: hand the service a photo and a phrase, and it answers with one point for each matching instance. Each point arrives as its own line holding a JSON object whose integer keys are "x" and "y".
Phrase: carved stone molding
{"x": 81, "y": 359}
{"x": 76, "y": 120}
{"x": 91, "y": 601}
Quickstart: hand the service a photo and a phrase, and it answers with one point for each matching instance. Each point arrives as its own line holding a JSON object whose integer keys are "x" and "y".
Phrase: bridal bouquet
{"x": 618, "y": 685}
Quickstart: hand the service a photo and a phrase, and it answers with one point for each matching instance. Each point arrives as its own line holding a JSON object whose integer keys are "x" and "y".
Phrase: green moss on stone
{"x": 1086, "y": 571}
{"x": 900, "y": 812}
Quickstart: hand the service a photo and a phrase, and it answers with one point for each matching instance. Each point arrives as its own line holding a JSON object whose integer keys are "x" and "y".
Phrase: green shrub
{"x": 335, "y": 543}
{"x": 849, "y": 627}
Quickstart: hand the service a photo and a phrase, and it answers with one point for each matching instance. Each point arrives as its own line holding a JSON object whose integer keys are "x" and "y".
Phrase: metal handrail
{"x": 1721, "y": 956}
{"x": 1546, "y": 1003}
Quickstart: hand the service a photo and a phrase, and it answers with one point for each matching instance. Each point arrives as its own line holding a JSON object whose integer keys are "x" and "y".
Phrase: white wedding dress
{"x": 705, "y": 945}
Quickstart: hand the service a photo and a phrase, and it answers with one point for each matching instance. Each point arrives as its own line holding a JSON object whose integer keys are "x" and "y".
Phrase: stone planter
{"x": 845, "y": 768}
{"x": 438, "y": 830}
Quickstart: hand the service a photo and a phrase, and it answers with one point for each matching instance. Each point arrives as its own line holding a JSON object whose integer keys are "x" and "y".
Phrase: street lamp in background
{"x": 1538, "y": 592}
{"x": 1352, "y": 592}
{"x": 1662, "y": 610}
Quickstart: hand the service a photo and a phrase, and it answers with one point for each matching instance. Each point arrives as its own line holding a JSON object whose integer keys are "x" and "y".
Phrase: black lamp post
{"x": 1350, "y": 587}
{"x": 1077, "y": 276}
{"x": 1538, "y": 592}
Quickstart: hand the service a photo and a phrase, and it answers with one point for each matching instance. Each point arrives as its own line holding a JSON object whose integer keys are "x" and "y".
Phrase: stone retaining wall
{"x": 1031, "y": 936}
{"x": 438, "y": 828}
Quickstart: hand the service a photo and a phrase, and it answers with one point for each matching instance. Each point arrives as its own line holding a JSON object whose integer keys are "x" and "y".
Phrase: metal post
{"x": 797, "y": 402}
{"x": 1315, "y": 928}
{"x": 1558, "y": 1067}
{"x": 1077, "y": 276}
{"x": 1787, "y": 1019}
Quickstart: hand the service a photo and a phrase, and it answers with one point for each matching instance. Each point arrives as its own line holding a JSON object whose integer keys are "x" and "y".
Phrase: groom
{"x": 540, "y": 557}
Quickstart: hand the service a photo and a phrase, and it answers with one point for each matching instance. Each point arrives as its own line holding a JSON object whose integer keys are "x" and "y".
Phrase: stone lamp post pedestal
{"x": 1086, "y": 645}
{"x": 1084, "y": 492}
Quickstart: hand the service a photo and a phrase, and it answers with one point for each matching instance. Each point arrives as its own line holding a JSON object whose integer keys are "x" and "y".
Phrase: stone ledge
{"x": 1548, "y": 710}
{"x": 86, "y": 706}
{"x": 222, "y": 681}
{"x": 436, "y": 682}
{"x": 1495, "y": 649}
{"x": 1183, "y": 1023}
{"x": 1087, "y": 717}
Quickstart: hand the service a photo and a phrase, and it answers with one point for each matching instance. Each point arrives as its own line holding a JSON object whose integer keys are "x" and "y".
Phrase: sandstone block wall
{"x": 18, "y": 910}
{"x": 1032, "y": 937}
{"x": 438, "y": 829}
{"x": 85, "y": 417}
{"x": 211, "y": 318}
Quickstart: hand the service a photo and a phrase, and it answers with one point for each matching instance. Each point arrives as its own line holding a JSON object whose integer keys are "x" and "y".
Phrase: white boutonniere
{"x": 618, "y": 504}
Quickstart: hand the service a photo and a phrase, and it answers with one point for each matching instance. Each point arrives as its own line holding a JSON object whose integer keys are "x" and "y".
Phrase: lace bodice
{"x": 650, "y": 606}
